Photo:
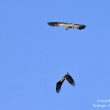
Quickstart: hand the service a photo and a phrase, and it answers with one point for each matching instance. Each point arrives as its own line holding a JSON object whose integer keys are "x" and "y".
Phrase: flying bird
{"x": 67, "y": 25}
{"x": 60, "y": 82}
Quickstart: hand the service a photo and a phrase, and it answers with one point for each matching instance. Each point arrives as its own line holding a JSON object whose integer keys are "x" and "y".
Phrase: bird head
{"x": 67, "y": 73}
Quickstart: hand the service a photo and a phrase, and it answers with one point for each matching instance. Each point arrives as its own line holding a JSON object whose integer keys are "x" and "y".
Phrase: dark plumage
{"x": 69, "y": 79}
{"x": 60, "y": 82}
{"x": 67, "y": 25}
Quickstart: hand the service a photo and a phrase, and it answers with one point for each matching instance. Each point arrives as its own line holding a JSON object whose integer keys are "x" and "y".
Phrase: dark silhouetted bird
{"x": 67, "y": 25}
{"x": 60, "y": 82}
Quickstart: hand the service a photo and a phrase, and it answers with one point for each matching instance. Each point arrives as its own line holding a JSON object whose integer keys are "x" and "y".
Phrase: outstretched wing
{"x": 67, "y": 25}
{"x": 59, "y": 84}
{"x": 69, "y": 79}
{"x": 56, "y": 23}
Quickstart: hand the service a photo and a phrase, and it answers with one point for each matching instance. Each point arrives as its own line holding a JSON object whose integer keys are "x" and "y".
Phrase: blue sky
{"x": 34, "y": 56}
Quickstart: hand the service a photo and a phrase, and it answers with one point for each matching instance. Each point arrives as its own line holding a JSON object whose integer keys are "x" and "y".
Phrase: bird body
{"x": 67, "y": 25}
{"x": 60, "y": 82}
